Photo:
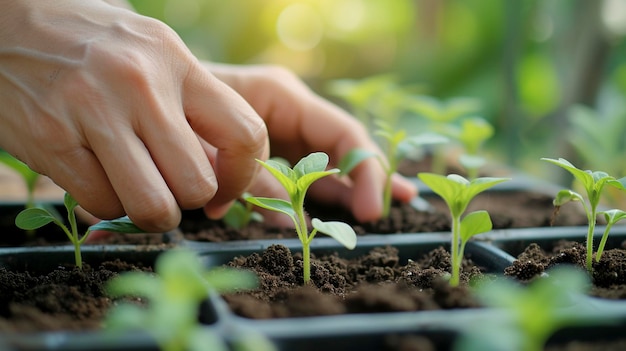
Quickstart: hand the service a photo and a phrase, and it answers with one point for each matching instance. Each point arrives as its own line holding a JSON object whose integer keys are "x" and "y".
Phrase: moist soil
{"x": 64, "y": 299}
{"x": 372, "y": 283}
{"x": 609, "y": 274}
{"x": 508, "y": 209}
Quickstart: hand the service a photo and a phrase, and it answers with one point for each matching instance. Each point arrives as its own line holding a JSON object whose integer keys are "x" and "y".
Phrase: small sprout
{"x": 594, "y": 183}
{"x": 174, "y": 295}
{"x": 297, "y": 181}
{"x": 441, "y": 115}
{"x": 398, "y": 145}
{"x": 36, "y": 217}
{"x": 240, "y": 214}
{"x": 473, "y": 133}
{"x": 458, "y": 192}
{"x": 29, "y": 176}
{"x": 611, "y": 216}
{"x": 533, "y": 312}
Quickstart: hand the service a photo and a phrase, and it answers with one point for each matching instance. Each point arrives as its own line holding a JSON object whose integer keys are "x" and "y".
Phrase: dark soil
{"x": 609, "y": 274}
{"x": 508, "y": 209}
{"x": 376, "y": 282}
{"x": 66, "y": 298}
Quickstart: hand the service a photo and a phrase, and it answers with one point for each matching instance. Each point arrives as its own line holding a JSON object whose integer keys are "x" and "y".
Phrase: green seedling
{"x": 532, "y": 313}
{"x": 36, "y": 217}
{"x": 441, "y": 115}
{"x": 174, "y": 295}
{"x": 29, "y": 176}
{"x": 240, "y": 214}
{"x": 296, "y": 182}
{"x": 474, "y": 132}
{"x": 458, "y": 192}
{"x": 398, "y": 145}
{"x": 594, "y": 183}
{"x": 611, "y": 217}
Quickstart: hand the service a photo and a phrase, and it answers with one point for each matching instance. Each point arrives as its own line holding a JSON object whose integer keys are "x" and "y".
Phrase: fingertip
{"x": 403, "y": 189}
{"x": 216, "y": 211}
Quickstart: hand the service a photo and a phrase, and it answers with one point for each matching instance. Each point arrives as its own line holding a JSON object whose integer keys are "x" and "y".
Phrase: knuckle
{"x": 198, "y": 194}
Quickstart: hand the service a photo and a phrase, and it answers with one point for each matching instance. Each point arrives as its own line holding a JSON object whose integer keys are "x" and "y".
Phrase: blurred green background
{"x": 551, "y": 74}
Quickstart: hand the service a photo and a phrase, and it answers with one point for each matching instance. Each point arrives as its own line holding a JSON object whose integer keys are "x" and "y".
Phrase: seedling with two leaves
{"x": 174, "y": 295}
{"x": 296, "y": 182}
{"x": 594, "y": 183}
{"x": 35, "y": 217}
{"x": 458, "y": 192}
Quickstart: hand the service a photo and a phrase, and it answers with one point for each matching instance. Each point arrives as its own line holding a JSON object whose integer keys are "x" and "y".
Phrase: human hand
{"x": 300, "y": 122}
{"x": 113, "y": 107}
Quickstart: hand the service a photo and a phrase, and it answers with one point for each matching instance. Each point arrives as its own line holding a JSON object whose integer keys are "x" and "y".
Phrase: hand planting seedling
{"x": 594, "y": 183}
{"x": 532, "y": 313}
{"x": 296, "y": 182}
{"x": 457, "y": 192}
{"x": 174, "y": 295}
{"x": 34, "y": 218}
{"x": 240, "y": 214}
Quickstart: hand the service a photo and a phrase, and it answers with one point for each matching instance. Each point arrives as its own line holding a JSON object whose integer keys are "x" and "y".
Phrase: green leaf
{"x": 339, "y": 231}
{"x": 481, "y": 184}
{"x": 278, "y": 205}
{"x": 285, "y": 175}
{"x": 70, "y": 202}
{"x": 564, "y": 196}
{"x": 314, "y": 162}
{"x": 227, "y": 279}
{"x": 427, "y": 139}
{"x": 235, "y": 216}
{"x": 305, "y": 181}
{"x": 613, "y": 216}
{"x": 584, "y": 177}
{"x": 137, "y": 283}
{"x": 475, "y": 223}
{"x": 33, "y": 218}
{"x": 182, "y": 275}
{"x": 353, "y": 158}
{"x": 30, "y": 177}
{"x": 119, "y": 225}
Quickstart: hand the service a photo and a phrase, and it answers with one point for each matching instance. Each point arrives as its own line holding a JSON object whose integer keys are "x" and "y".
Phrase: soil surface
{"x": 66, "y": 298}
{"x": 508, "y": 209}
{"x": 376, "y": 282}
{"x": 609, "y": 274}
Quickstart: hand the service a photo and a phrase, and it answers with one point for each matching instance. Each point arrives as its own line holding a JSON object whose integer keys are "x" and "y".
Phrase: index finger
{"x": 226, "y": 121}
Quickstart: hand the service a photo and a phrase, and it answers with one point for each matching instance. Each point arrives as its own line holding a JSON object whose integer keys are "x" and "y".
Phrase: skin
{"x": 113, "y": 107}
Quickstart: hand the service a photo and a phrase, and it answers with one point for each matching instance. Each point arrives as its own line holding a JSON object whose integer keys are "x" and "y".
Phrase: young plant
{"x": 473, "y": 133}
{"x": 398, "y": 145}
{"x": 240, "y": 214}
{"x": 174, "y": 295}
{"x": 29, "y": 176}
{"x": 441, "y": 115}
{"x": 594, "y": 183}
{"x": 36, "y": 217}
{"x": 296, "y": 182}
{"x": 532, "y": 313}
{"x": 611, "y": 216}
{"x": 458, "y": 192}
